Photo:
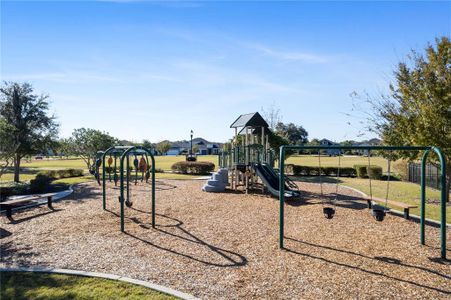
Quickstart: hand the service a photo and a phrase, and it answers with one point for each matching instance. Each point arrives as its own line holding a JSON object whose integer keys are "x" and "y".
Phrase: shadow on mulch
{"x": 21, "y": 256}
{"x": 387, "y": 260}
{"x": 51, "y": 211}
{"x": 343, "y": 201}
{"x": 232, "y": 259}
{"x": 4, "y": 233}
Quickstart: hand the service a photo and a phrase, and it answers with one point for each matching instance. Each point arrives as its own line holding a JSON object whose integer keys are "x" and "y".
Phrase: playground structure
{"x": 250, "y": 157}
{"x": 119, "y": 160}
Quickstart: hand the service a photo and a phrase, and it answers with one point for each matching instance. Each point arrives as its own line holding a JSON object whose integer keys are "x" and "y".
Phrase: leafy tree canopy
{"x": 86, "y": 142}
{"x": 27, "y": 113}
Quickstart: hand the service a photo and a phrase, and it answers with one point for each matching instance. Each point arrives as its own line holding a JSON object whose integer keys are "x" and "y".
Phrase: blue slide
{"x": 271, "y": 181}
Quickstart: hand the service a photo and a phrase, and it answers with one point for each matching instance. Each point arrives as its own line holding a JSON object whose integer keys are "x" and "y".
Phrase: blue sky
{"x": 157, "y": 70}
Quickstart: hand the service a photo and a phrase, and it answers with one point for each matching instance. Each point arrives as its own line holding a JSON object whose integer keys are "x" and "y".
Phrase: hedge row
{"x": 315, "y": 171}
{"x": 364, "y": 171}
{"x": 63, "y": 173}
{"x": 192, "y": 167}
{"x": 111, "y": 170}
{"x": 360, "y": 171}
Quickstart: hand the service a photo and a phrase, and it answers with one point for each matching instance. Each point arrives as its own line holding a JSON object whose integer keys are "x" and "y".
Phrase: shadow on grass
{"x": 387, "y": 260}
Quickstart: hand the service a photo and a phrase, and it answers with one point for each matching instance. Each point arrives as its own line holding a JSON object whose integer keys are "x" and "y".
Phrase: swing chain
{"x": 388, "y": 182}
{"x": 319, "y": 172}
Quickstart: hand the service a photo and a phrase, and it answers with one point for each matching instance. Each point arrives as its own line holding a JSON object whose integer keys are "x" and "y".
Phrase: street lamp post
{"x": 191, "y": 150}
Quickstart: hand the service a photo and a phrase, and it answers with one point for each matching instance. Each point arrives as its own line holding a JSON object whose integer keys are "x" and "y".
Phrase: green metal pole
{"x": 122, "y": 189}
{"x": 128, "y": 178}
{"x": 443, "y": 201}
{"x": 153, "y": 191}
{"x": 423, "y": 197}
{"x": 281, "y": 195}
{"x": 103, "y": 181}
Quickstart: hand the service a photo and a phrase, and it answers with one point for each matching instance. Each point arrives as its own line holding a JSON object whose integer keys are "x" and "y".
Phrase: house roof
{"x": 252, "y": 120}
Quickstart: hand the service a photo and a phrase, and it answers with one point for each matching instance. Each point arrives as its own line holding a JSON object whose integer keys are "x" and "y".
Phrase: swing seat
{"x": 378, "y": 213}
{"x": 328, "y": 212}
{"x": 128, "y": 203}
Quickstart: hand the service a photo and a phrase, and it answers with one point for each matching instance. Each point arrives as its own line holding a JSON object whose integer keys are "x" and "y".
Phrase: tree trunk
{"x": 17, "y": 168}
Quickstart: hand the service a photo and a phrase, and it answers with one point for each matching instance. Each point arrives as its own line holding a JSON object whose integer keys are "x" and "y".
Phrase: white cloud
{"x": 287, "y": 55}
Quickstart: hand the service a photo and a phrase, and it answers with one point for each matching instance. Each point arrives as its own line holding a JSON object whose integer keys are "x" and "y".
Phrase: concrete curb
{"x": 146, "y": 284}
{"x": 394, "y": 211}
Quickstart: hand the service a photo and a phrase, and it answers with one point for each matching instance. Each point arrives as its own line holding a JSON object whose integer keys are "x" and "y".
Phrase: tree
{"x": 272, "y": 115}
{"x": 86, "y": 142}
{"x": 27, "y": 114}
{"x": 8, "y": 146}
{"x": 163, "y": 147}
{"x": 348, "y": 143}
{"x": 64, "y": 147}
{"x": 276, "y": 141}
{"x": 296, "y": 135}
{"x": 195, "y": 149}
{"x": 147, "y": 144}
{"x": 417, "y": 110}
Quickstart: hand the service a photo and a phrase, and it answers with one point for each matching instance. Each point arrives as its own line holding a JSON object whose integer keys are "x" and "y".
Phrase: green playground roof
{"x": 250, "y": 120}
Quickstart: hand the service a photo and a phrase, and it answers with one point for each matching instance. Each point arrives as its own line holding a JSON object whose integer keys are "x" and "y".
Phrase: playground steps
{"x": 218, "y": 181}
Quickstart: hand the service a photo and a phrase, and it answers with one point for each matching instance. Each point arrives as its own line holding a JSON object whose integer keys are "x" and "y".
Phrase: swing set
{"x": 119, "y": 170}
{"x": 377, "y": 211}
{"x": 329, "y": 206}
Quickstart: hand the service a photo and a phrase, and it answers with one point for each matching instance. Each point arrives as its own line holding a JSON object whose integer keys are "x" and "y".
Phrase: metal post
{"x": 442, "y": 202}
{"x": 423, "y": 197}
{"x": 103, "y": 181}
{"x": 121, "y": 168}
{"x": 191, "y": 150}
{"x": 153, "y": 190}
{"x": 128, "y": 178}
{"x": 281, "y": 195}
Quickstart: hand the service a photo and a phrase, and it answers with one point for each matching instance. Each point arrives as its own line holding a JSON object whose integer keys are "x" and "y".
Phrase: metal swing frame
{"x": 426, "y": 149}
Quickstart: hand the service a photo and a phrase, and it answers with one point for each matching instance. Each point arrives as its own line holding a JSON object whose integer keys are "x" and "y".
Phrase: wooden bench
{"x": 8, "y": 205}
{"x": 406, "y": 207}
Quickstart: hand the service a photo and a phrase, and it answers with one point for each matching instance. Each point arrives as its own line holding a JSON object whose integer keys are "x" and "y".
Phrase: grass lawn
{"x": 29, "y": 285}
{"x": 399, "y": 191}
{"x": 326, "y": 161}
{"x": 161, "y": 162}
{"x": 76, "y": 163}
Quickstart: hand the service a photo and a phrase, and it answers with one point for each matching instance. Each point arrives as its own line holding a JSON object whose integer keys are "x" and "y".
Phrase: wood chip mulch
{"x": 225, "y": 245}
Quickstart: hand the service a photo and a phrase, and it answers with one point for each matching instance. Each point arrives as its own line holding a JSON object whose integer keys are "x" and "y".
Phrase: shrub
{"x": 191, "y": 167}
{"x": 40, "y": 184}
{"x": 75, "y": 172}
{"x": 289, "y": 169}
{"x": 348, "y": 172}
{"x": 375, "y": 172}
{"x": 361, "y": 171}
{"x": 401, "y": 167}
{"x": 302, "y": 170}
{"x": 330, "y": 171}
{"x": 63, "y": 173}
{"x": 325, "y": 171}
{"x": 13, "y": 188}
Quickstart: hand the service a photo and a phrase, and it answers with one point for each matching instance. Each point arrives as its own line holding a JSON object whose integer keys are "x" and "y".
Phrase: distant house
{"x": 330, "y": 152}
{"x": 202, "y": 146}
{"x": 372, "y": 142}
